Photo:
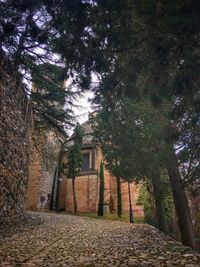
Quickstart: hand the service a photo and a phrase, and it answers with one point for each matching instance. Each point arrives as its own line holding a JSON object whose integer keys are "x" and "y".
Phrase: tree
{"x": 119, "y": 196}
{"x": 147, "y": 51}
{"x": 75, "y": 161}
{"x": 150, "y": 72}
{"x": 123, "y": 148}
{"x": 50, "y": 99}
{"x": 26, "y": 32}
{"x": 160, "y": 145}
{"x": 101, "y": 191}
{"x": 31, "y": 30}
{"x": 159, "y": 197}
{"x": 31, "y": 36}
{"x": 111, "y": 164}
{"x": 58, "y": 173}
{"x": 115, "y": 158}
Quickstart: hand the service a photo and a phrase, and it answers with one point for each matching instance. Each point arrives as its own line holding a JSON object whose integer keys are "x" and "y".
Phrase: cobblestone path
{"x": 63, "y": 240}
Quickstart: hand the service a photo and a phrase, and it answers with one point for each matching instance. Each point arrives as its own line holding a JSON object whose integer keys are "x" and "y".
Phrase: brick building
{"x": 87, "y": 183}
{"x": 48, "y": 189}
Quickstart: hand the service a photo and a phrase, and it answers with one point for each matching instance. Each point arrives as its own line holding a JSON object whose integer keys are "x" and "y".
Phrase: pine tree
{"x": 39, "y": 36}
{"x": 50, "y": 99}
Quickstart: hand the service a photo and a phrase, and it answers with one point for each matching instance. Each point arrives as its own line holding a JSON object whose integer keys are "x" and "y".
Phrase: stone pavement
{"x": 63, "y": 240}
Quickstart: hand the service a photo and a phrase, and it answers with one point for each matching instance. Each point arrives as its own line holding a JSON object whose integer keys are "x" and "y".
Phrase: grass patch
{"x": 111, "y": 217}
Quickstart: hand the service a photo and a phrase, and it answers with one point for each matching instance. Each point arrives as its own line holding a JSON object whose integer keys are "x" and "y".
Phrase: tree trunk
{"x": 130, "y": 203}
{"x": 74, "y": 196}
{"x": 119, "y": 197}
{"x": 101, "y": 191}
{"x": 159, "y": 202}
{"x": 180, "y": 201}
{"x": 58, "y": 177}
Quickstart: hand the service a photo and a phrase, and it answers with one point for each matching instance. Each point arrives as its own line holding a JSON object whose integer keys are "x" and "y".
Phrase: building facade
{"x": 87, "y": 182}
{"x": 50, "y": 190}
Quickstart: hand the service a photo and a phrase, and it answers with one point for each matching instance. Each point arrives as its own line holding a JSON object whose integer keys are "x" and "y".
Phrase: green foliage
{"x": 172, "y": 228}
{"x": 101, "y": 191}
{"x": 158, "y": 72}
{"x": 49, "y": 99}
{"x": 37, "y": 36}
{"x": 53, "y": 27}
{"x": 75, "y": 159}
{"x": 153, "y": 66}
{"x": 111, "y": 141}
{"x": 145, "y": 199}
{"x": 147, "y": 56}
{"x": 126, "y": 133}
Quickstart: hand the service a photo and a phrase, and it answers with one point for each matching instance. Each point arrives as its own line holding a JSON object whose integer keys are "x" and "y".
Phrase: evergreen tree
{"x": 101, "y": 191}
{"x": 116, "y": 149}
{"x": 147, "y": 62}
{"x": 123, "y": 148}
{"x": 50, "y": 99}
{"x": 33, "y": 37}
{"x": 147, "y": 51}
{"x": 110, "y": 164}
{"x": 33, "y": 32}
{"x": 119, "y": 196}
{"x": 75, "y": 161}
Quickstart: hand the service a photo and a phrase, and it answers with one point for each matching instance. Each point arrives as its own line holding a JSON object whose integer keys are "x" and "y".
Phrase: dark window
{"x": 93, "y": 159}
{"x": 86, "y": 160}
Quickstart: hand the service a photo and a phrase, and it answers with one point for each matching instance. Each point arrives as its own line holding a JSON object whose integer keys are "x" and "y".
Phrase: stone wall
{"x": 50, "y": 153}
{"x": 43, "y": 160}
{"x": 15, "y": 121}
{"x": 34, "y": 176}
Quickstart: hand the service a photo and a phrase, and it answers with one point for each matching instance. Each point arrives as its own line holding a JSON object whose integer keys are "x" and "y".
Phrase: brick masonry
{"x": 15, "y": 121}
{"x": 87, "y": 191}
{"x": 41, "y": 179}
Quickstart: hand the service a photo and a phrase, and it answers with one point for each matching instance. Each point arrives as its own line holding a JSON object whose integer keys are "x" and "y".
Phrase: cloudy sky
{"x": 85, "y": 107}
{"x": 83, "y": 102}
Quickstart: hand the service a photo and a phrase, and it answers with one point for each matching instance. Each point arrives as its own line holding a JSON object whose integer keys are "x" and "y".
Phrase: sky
{"x": 85, "y": 107}
{"x": 82, "y": 106}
